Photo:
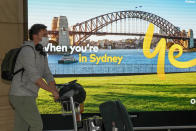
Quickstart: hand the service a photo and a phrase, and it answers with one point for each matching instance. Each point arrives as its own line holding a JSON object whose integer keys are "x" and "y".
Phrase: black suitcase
{"x": 115, "y": 114}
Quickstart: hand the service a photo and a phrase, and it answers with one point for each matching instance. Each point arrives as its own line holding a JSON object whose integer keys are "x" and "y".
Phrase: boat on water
{"x": 67, "y": 59}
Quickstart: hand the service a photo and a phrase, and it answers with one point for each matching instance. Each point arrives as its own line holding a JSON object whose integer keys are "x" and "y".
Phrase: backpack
{"x": 8, "y": 64}
{"x": 115, "y": 115}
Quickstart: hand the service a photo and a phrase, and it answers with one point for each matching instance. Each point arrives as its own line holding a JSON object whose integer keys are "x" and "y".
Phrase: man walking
{"x": 25, "y": 84}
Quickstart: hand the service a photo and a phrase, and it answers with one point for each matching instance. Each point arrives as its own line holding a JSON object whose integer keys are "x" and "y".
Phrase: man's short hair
{"x": 35, "y": 29}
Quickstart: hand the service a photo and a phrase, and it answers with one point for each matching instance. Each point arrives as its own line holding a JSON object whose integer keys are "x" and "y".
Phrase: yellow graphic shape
{"x": 159, "y": 50}
{"x": 176, "y": 63}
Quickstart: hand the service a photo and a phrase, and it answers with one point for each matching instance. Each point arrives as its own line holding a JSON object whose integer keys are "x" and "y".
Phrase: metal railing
{"x": 112, "y": 68}
{"x": 169, "y": 128}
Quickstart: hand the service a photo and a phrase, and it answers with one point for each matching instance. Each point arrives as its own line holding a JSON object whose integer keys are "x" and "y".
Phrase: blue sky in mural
{"x": 179, "y": 12}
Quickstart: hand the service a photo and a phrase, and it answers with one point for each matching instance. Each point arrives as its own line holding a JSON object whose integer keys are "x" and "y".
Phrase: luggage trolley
{"x": 70, "y": 96}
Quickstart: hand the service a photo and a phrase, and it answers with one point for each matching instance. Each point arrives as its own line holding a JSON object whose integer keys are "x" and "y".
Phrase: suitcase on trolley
{"x": 115, "y": 116}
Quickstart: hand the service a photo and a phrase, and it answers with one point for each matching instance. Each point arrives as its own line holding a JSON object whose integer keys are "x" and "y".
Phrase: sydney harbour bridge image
{"x": 119, "y": 32}
{"x": 121, "y": 23}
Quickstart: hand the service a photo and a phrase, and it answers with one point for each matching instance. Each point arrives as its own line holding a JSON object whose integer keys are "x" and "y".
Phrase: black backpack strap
{"x": 19, "y": 70}
{"x": 22, "y": 69}
{"x": 13, "y": 65}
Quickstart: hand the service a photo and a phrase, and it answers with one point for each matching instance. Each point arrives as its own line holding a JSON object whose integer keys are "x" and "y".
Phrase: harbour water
{"x": 133, "y": 61}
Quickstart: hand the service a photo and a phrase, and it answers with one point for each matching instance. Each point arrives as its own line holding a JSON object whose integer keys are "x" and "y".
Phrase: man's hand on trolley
{"x": 55, "y": 95}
